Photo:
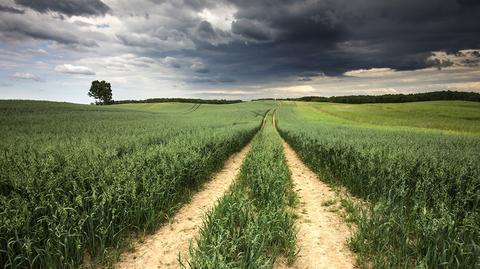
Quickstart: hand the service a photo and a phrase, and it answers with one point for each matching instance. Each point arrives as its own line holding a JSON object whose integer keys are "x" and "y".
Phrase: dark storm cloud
{"x": 205, "y": 34}
{"x": 309, "y": 75}
{"x": 205, "y": 30}
{"x": 469, "y": 2}
{"x": 287, "y": 38}
{"x": 199, "y": 68}
{"x": 11, "y": 10}
{"x": 251, "y": 30}
{"x": 308, "y": 22}
{"x": 69, "y": 8}
{"x": 17, "y": 28}
{"x": 225, "y": 79}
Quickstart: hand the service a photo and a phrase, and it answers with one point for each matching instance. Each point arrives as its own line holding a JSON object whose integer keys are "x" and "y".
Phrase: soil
{"x": 322, "y": 235}
{"x": 163, "y": 248}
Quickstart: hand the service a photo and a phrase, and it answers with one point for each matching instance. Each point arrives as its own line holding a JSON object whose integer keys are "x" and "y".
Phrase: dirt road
{"x": 321, "y": 234}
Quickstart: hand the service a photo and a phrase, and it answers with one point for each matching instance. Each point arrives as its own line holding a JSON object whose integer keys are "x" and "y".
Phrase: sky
{"x": 237, "y": 49}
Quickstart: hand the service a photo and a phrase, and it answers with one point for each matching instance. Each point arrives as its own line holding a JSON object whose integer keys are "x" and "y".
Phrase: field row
{"x": 423, "y": 187}
{"x": 78, "y": 181}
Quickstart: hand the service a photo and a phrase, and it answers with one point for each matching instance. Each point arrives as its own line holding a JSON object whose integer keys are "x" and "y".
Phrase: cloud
{"x": 171, "y": 42}
{"x": 27, "y": 76}
{"x": 11, "y": 10}
{"x": 269, "y": 44}
{"x": 125, "y": 63}
{"x": 171, "y": 62}
{"x": 205, "y": 33}
{"x": 309, "y": 75}
{"x": 252, "y": 29}
{"x": 205, "y": 30}
{"x": 199, "y": 67}
{"x": 297, "y": 89}
{"x": 471, "y": 86}
{"x": 74, "y": 69}
{"x": 468, "y": 2}
{"x": 37, "y": 51}
{"x": 226, "y": 79}
{"x": 219, "y": 16}
{"x": 69, "y": 8}
{"x": 335, "y": 37}
{"x": 372, "y": 72}
{"x": 5, "y": 84}
{"x": 461, "y": 58}
{"x": 15, "y": 27}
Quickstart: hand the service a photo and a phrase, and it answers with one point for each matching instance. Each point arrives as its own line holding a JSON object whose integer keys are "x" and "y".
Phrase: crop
{"x": 456, "y": 116}
{"x": 423, "y": 186}
{"x": 253, "y": 223}
{"x": 76, "y": 182}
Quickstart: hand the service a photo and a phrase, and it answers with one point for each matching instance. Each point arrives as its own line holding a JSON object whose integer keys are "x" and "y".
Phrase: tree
{"x": 101, "y": 91}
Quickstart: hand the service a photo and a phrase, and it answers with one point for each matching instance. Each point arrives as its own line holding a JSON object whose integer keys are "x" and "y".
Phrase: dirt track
{"x": 321, "y": 234}
{"x": 162, "y": 249}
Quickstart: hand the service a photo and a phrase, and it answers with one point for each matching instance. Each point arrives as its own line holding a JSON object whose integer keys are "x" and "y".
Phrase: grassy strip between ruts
{"x": 253, "y": 224}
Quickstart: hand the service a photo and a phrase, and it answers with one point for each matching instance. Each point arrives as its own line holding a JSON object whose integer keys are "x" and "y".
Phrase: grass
{"x": 252, "y": 225}
{"x": 422, "y": 184}
{"x": 78, "y": 181}
{"x": 329, "y": 202}
{"x": 456, "y": 116}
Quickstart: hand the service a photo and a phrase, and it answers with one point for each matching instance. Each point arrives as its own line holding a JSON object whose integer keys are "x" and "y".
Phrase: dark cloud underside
{"x": 333, "y": 36}
{"x": 69, "y": 8}
{"x": 11, "y": 9}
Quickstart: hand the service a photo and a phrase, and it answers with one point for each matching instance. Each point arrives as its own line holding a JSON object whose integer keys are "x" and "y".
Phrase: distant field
{"x": 78, "y": 181}
{"x": 461, "y": 116}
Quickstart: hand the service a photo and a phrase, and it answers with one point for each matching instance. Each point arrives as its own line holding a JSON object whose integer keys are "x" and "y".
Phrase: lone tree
{"x": 101, "y": 91}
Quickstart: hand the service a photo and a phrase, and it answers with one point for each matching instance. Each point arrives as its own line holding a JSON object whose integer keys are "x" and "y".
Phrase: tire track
{"x": 192, "y": 109}
{"x": 163, "y": 248}
{"x": 322, "y": 235}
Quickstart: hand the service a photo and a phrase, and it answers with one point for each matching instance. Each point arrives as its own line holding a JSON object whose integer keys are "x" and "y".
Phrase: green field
{"x": 78, "y": 182}
{"x": 420, "y": 172}
{"x": 456, "y": 116}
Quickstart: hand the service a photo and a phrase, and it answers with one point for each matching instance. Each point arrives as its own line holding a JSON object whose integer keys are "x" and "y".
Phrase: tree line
{"x": 102, "y": 92}
{"x": 390, "y": 98}
{"x": 179, "y": 100}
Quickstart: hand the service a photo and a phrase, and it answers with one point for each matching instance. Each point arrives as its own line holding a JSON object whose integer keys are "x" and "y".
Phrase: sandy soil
{"x": 273, "y": 119}
{"x": 162, "y": 249}
{"x": 322, "y": 235}
{"x": 264, "y": 120}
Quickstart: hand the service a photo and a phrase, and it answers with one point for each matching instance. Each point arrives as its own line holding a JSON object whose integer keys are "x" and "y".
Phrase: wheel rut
{"x": 322, "y": 235}
{"x": 172, "y": 240}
